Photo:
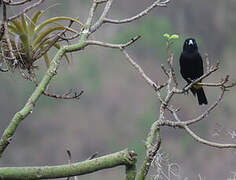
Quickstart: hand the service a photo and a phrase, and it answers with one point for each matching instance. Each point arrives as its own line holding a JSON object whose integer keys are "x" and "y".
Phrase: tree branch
{"x": 212, "y": 69}
{"x": 67, "y": 95}
{"x": 109, "y": 45}
{"x": 28, "y": 108}
{"x": 171, "y": 91}
{"x": 152, "y": 145}
{"x": 122, "y": 158}
{"x": 143, "y": 13}
{"x": 16, "y": 3}
{"x": 100, "y": 21}
{"x": 13, "y": 57}
{"x": 209, "y": 143}
{"x": 26, "y": 10}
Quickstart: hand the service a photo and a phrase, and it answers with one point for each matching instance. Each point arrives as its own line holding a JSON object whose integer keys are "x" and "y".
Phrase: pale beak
{"x": 190, "y": 42}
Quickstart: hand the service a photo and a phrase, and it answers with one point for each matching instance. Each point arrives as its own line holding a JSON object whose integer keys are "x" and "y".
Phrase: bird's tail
{"x": 201, "y": 96}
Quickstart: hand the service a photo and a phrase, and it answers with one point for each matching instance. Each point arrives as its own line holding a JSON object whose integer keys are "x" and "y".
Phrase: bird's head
{"x": 190, "y": 45}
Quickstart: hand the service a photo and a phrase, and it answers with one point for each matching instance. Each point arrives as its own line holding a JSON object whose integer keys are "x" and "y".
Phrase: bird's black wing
{"x": 199, "y": 65}
{"x": 184, "y": 67}
{"x": 191, "y": 65}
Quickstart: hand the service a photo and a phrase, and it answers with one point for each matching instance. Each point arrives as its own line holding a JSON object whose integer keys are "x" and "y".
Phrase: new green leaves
{"x": 170, "y": 39}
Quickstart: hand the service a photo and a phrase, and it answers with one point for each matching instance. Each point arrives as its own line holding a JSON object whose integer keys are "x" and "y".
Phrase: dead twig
{"x": 26, "y": 10}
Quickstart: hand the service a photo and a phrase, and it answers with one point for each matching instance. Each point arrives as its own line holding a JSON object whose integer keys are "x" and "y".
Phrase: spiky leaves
{"x": 31, "y": 40}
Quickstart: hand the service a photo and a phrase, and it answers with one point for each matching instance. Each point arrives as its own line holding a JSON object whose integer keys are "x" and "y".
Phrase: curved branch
{"x": 76, "y": 95}
{"x": 203, "y": 115}
{"x": 183, "y": 125}
{"x": 125, "y": 157}
{"x": 209, "y": 143}
{"x": 103, "y": 18}
{"x": 152, "y": 145}
{"x": 109, "y": 45}
{"x": 143, "y": 13}
{"x": 16, "y": 3}
{"x": 212, "y": 69}
{"x": 28, "y": 108}
{"x": 100, "y": 21}
{"x": 26, "y": 10}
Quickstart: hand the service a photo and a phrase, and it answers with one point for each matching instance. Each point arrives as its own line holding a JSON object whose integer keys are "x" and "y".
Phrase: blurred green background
{"x": 118, "y": 107}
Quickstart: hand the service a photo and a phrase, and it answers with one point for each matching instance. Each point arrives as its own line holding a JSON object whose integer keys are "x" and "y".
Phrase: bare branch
{"x": 2, "y": 30}
{"x": 212, "y": 69}
{"x": 67, "y": 95}
{"x": 16, "y": 3}
{"x": 172, "y": 71}
{"x": 63, "y": 37}
{"x": 26, "y": 10}
{"x": 209, "y": 143}
{"x": 207, "y": 112}
{"x": 101, "y": 1}
{"x": 143, "y": 13}
{"x": 181, "y": 124}
{"x": 13, "y": 57}
{"x": 165, "y": 70}
{"x": 154, "y": 85}
{"x": 184, "y": 125}
{"x": 212, "y": 107}
{"x": 109, "y": 45}
{"x": 102, "y": 17}
{"x": 91, "y": 14}
{"x": 140, "y": 70}
{"x": 52, "y": 42}
{"x": 207, "y": 62}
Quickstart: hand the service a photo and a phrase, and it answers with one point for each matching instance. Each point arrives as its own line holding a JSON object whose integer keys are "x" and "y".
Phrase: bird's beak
{"x": 190, "y": 42}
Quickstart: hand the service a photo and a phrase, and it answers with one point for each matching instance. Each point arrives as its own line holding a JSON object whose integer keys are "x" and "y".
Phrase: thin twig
{"x": 172, "y": 71}
{"x": 212, "y": 107}
{"x": 13, "y": 57}
{"x": 140, "y": 70}
{"x": 143, "y": 13}
{"x": 165, "y": 70}
{"x": 65, "y": 96}
{"x": 109, "y": 45}
{"x": 207, "y": 62}
{"x": 100, "y": 21}
{"x": 70, "y": 38}
{"x": 91, "y": 15}
{"x": 26, "y": 10}
{"x": 212, "y": 69}
{"x": 101, "y": 1}
{"x": 135, "y": 65}
{"x": 2, "y": 30}
{"x": 181, "y": 124}
{"x": 209, "y": 143}
{"x": 16, "y": 3}
{"x": 52, "y": 42}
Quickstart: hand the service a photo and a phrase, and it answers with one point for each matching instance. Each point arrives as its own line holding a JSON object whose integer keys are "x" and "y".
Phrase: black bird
{"x": 191, "y": 68}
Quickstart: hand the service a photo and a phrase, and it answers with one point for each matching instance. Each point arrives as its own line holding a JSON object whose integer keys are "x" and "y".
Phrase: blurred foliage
{"x": 232, "y": 43}
{"x": 89, "y": 73}
{"x": 152, "y": 40}
{"x": 151, "y": 30}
